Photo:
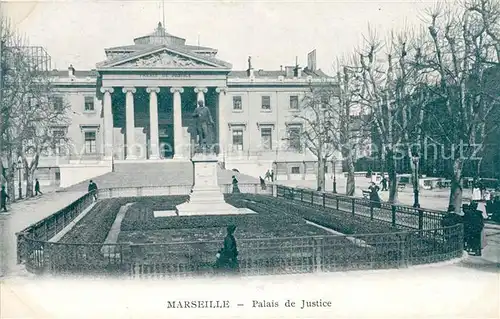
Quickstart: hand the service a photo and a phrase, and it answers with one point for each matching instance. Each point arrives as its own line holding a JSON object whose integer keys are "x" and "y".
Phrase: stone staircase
{"x": 161, "y": 173}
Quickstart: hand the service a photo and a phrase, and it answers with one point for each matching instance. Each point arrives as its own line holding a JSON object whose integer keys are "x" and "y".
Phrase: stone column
{"x": 108, "y": 122}
{"x": 130, "y": 124}
{"x": 153, "y": 122}
{"x": 178, "y": 133}
{"x": 221, "y": 122}
{"x": 200, "y": 94}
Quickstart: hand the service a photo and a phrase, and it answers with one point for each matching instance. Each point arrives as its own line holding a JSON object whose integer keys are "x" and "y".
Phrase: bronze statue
{"x": 203, "y": 118}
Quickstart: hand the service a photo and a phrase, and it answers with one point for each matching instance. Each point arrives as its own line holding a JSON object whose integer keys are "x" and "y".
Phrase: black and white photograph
{"x": 249, "y": 159}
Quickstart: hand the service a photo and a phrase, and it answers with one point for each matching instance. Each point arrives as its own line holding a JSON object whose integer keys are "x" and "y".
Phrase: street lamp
{"x": 334, "y": 178}
{"x": 19, "y": 167}
{"x": 415, "y": 160}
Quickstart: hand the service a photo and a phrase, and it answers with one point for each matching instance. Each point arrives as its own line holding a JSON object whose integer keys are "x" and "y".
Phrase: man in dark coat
{"x": 93, "y": 189}
{"x": 203, "y": 119}
{"x": 474, "y": 223}
{"x": 228, "y": 256}
{"x": 37, "y": 187}
{"x": 236, "y": 189}
{"x": 3, "y": 199}
{"x": 374, "y": 197}
{"x": 384, "y": 184}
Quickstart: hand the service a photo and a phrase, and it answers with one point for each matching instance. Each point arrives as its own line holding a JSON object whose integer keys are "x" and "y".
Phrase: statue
{"x": 203, "y": 118}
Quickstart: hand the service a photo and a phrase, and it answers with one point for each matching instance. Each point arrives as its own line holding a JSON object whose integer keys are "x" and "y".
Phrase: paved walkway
{"x": 23, "y": 214}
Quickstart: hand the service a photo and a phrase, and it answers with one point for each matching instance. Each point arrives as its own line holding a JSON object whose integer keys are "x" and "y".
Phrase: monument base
{"x": 206, "y": 197}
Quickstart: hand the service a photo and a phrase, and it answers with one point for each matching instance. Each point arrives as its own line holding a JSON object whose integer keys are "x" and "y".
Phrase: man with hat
{"x": 227, "y": 258}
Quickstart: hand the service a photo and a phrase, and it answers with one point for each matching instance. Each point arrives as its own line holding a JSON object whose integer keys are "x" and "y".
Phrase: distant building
{"x": 137, "y": 106}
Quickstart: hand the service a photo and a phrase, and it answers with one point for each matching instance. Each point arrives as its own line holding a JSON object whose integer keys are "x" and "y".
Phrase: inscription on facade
{"x": 165, "y": 76}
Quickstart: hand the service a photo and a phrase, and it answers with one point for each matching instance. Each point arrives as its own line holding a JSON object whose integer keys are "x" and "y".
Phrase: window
{"x": 238, "y": 139}
{"x": 237, "y": 103}
{"x": 266, "y": 136}
{"x": 294, "y": 102}
{"x": 58, "y": 136}
{"x": 57, "y": 101}
{"x": 89, "y": 104}
{"x": 266, "y": 102}
{"x": 90, "y": 142}
{"x": 295, "y": 170}
{"x": 294, "y": 137}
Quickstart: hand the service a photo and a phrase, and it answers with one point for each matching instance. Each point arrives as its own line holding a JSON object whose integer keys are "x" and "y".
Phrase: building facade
{"x": 137, "y": 105}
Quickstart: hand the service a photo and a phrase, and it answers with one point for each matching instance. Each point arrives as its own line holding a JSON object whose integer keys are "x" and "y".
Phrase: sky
{"x": 272, "y": 32}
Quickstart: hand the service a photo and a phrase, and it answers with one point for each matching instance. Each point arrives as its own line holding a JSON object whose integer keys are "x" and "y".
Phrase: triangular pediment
{"x": 166, "y": 58}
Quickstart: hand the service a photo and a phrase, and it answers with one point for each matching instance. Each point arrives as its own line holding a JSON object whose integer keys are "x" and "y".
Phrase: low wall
{"x": 72, "y": 174}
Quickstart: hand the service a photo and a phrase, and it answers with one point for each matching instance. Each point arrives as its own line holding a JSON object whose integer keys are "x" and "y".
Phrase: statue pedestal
{"x": 206, "y": 198}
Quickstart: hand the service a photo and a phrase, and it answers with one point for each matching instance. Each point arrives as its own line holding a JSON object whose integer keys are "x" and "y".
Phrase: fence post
{"x": 275, "y": 190}
{"x": 393, "y": 210}
{"x": 403, "y": 261}
{"x": 256, "y": 189}
{"x": 312, "y": 197}
{"x": 324, "y": 200}
{"x": 337, "y": 204}
{"x": 420, "y": 219}
{"x": 353, "y": 205}
{"x": 301, "y": 195}
{"x": 371, "y": 211}
{"x": 318, "y": 254}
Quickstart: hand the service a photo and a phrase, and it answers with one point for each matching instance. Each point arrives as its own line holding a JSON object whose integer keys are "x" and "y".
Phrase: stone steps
{"x": 161, "y": 173}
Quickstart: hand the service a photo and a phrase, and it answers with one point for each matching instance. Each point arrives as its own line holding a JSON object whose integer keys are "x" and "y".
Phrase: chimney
{"x": 250, "y": 68}
{"x": 297, "y": 70}
{"x": 281, "y": 68}
{"x": 289, "y": 71}
{"x": 71, "y": 71}
{"x": 311, "y": 61}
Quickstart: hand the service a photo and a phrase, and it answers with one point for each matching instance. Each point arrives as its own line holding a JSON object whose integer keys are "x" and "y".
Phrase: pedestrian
{"x": 236, "y": 189}
{"x": 262, "y": 183}
{"x": 93, "y": 189}
{"x": 37, "y": 187}
{"x": 227, "y": 257}
{"x": 267, "y": 177}
{"x": 384, "y": 184}
{"x": 374, "y": 197}
{"x": 476, "y": 190}
{"x": 474, "y": 224}
{"x": 272, "y": 176}
{"x": 3, "y": 199}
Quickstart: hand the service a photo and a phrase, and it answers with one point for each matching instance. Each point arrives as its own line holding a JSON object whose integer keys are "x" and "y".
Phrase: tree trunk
{"x": 321, "y": 173}
{"x": 29, "y": 182}
{"x": 350, "y": 183}
{"x": 391, "y": 171}
{"x": 11, "y": 185}
{"x": 456, "y": 185}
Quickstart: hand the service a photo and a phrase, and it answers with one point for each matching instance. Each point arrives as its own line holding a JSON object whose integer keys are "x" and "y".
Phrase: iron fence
{"x": 256, "y": 256}
{"x": 421, "y": 241}
{"x": 397, "y": 215}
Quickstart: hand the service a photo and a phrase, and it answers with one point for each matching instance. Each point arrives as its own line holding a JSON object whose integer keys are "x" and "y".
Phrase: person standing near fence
{"x": 474, "y": 224}
{"x": 236, "y": 189}
{"x": 374, "y": 197}
{"x": 93, "y": 189}
{"x": 227, "y": 257}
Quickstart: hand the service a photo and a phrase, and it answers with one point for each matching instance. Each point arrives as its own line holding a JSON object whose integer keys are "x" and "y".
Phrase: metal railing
{"x": 422, "y": 241}
{"x": 402, "y": 216}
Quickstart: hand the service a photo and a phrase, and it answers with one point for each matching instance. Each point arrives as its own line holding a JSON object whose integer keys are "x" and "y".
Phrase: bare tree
{"x": 29, "y": 109}
{"x": 317, "y": 131}
{"x": 463, "y": 46}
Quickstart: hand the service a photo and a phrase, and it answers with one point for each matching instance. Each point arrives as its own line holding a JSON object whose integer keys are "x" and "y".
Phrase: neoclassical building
{"x": 137, "y": 106}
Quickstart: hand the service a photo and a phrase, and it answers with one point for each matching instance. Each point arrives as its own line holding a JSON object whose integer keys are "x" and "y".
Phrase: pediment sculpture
{"x": 163, "y": 59}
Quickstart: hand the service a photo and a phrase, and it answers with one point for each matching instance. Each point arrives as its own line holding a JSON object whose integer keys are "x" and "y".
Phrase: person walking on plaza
{"x": 267, "y": 177}
{"x": 93, "y": 189}
{"x": 227, "y": 257}
{"x": 272, "y": 176}
{"x": 3, "y": 199}
{"x": 384, "y": 184}
{"x": 37, "y": 187}
{"x": 474, "y": 224}
{"x": 236, "y": 189}
{"x": 262, "y": 183}
{"x": 476, "y": 189}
